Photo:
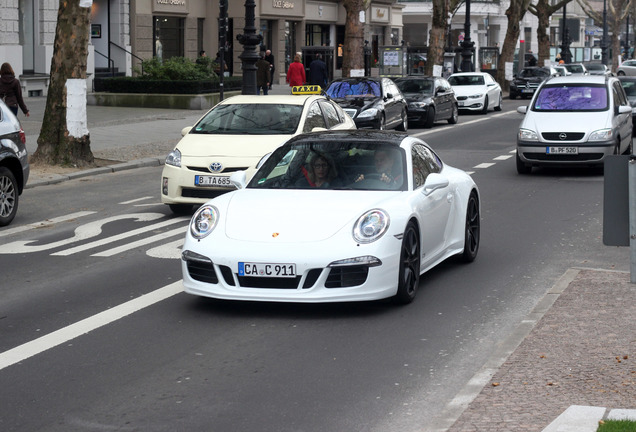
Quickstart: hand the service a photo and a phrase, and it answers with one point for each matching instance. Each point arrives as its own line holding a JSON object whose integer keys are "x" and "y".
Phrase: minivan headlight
{"x": 528, "y": 135}
{"x": 601, "y": 135}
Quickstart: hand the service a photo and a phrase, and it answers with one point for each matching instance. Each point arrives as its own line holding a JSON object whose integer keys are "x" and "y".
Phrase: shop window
{"x": 169, "y": 37}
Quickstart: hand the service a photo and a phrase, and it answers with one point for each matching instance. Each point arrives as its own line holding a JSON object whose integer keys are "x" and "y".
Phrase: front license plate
{"x": 460, "y": 103}
{"x": 527, "y": 91}
{"x": 266, "y": 270}
{"x": 562, "y": 150}
{"x": 201, "y": 180}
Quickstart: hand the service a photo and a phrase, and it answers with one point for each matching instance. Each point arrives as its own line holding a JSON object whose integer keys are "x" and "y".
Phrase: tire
{"x": 521, "y": 167}
{"x": 472, "y": 229}
{"x": 620, "y": 73}
{"x": 498, "y": 107}
{"x": 454, "y": 116}
{"x": 409, "y": 272}
{"x": 430, "y": 117}
{"x": 404, "y": 124}
{"x": 382, "y": 125}
{"x": 9, "y": 196}
{"x": 181, "y": 209}
{"x": 513, "y": 95}
{"x": 485, "y": 110}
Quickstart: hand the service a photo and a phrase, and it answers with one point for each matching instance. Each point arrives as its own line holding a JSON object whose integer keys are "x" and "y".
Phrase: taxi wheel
{"x": 409, "y": 272}
{"x": 181, "y": 209}
{"x": 8, "y": 196}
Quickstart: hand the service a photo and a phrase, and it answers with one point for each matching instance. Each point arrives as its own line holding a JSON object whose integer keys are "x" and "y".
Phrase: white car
{"x": 476, "y": 91}
{"x": 627, "y": 68}
{"x": 233, "y": 136}
{"x": 333, "y": 217}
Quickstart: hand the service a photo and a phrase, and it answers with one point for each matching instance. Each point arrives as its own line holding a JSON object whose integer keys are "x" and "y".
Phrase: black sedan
{"x": 526, "y": 82}
{"x": 374, "y": 103}
{"x": 629, "y": 84}
{"x": 429, "y": 99}
{"x": 14, "y": 168}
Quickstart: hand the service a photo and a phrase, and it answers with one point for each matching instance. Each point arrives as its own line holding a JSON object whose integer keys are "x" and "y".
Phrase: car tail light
{"x": 22, "y": 136}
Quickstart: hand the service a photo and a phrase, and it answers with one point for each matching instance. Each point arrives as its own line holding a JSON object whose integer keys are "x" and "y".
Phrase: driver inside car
{"x": 385, "y": 168}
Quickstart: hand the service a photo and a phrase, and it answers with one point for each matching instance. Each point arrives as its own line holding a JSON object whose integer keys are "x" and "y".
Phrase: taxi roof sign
{"x": 306, "y": 89}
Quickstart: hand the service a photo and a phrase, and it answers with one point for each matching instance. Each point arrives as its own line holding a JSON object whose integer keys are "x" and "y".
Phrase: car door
{"x": 391, "y": 104}
{"x": 493, "y": 90}
{"x": 434, "y": 208}
{"x": 442, "y": 94}
{"x": 624, "y": 121}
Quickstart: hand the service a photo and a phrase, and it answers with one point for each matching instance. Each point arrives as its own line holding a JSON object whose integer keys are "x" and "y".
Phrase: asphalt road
{"x": 96, "y": 335}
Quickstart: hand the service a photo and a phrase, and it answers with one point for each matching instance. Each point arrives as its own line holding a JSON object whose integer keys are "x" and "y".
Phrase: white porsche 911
{"x": 333, "y": 217}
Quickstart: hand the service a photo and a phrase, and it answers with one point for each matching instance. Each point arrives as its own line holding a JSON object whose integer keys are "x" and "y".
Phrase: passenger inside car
{"x": 319, "y": 173}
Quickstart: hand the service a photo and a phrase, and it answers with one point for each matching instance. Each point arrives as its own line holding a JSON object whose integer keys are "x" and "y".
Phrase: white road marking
{"x": 169, "y": 250}
{"x": 142, "y": 242}
{"x": 118, "y": 237}
{"x": 462, "y": 124}
{"x": 51, "y": 340}
{"x": 136, "y": 200}
{"x": 45, "y": 223}
{"x": 484, "y": 165}
{"x": 503, "y": 157}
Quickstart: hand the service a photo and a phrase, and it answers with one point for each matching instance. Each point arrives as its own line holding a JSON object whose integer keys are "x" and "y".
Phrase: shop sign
{"x": 282, "y": 4}
{"x": 173, "y": 6}
{"x": 379, "y": 14}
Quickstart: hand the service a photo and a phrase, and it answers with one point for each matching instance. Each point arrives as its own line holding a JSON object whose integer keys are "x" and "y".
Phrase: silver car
{"x": 627, "y": 68}
{"x": 574, "y": 120}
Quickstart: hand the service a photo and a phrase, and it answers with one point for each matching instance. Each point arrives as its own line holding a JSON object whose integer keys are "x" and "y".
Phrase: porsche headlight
{"x": 204, "y": 221}
{"x": 174, "y": 158}
{"x": 371, "y": 226}
{"x": 371, "y": 112}
{"x": 601, "y": 135}
{"x": 527, "y": 135}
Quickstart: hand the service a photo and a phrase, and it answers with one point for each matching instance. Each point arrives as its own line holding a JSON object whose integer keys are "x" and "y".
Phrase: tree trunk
{"x": 64, "y": 139}
{"x": 515, "y": 13}
{"x": 543, "y": 16}
{"x": 437, "y": 39}
{"x": 353, "y": 48}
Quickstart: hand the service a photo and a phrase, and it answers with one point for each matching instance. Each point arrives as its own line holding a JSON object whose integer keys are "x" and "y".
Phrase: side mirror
{"x": 433, "y": 182}
{"x": 186, "y": 130}
{"x": 522, "y": 109}
{"x": 238, "y": 179}
{"x": 624, "y": 109}
{"x": 389, "y": 96}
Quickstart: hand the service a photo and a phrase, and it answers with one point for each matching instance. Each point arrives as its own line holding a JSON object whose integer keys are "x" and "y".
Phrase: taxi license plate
{"x": 562, "y": 150}
{"x": 266, "y": 269}
{"x": 201, "y": 180}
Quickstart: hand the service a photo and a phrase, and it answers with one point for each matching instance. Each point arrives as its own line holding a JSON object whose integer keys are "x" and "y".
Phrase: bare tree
{"x": 442, "y": 10}
{"x": 515, "y": 13}
{"x": 543, "y": 10}
{"x": 617, "y": 10}
{"x": 353, "y": 48}
{"x": 64, "y": 139}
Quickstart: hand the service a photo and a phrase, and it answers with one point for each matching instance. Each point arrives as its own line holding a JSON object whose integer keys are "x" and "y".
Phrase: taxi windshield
{"x": 253, "y": 119}
{"x": 333, "y": 165}
{"x": 572, "y": 98}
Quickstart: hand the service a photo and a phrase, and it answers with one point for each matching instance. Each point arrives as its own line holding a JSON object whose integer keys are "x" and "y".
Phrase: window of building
{"x": 169, "y": 37}
{"x": 317, "y": 35}
{"x": 27, "y": 32}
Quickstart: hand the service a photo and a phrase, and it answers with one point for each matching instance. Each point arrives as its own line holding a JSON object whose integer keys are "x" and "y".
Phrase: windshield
{"x": 466, "y": 80}
{"x": 572, "y": 98}
{"x": 333, "y": 165}
{"x": 354, "y": 89}
{"x": 595, "y": 67}
{"x": 527, "y": 73}
{"x": 574, "y": 68}
{"x": 630, "y": 89}
{"x": 415, "y": 86}
{"x": 254, "y": 119}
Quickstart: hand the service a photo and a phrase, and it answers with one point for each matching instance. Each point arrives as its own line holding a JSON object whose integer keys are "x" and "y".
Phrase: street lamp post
{"x": 467, "y": 44}
{"x": 566, "y": 56}
{"x": 604, "y": 56}
{"x": 250, "y": 40}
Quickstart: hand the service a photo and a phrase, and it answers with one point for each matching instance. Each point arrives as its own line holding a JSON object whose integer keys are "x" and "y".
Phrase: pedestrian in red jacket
{"x": 296, "y": 73}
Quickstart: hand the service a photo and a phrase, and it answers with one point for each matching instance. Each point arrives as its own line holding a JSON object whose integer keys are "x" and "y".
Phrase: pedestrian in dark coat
{"x": 318, "y": 74}
{"x": 269, "y": 57}
{"x": 262, "y": 74}
{"x": 10, "y": 90}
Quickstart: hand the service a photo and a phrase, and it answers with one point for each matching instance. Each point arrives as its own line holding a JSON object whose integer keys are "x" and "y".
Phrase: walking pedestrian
{"x": 269, "y": 57}
{"x": 296, "y": 73}
{"x": 10, "y": 90}
{"x": 318, "y": 72}
{"x": 262, "y": 74}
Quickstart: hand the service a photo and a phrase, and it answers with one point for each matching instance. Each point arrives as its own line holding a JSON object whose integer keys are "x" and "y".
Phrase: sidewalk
{"x": 571, "y": 363}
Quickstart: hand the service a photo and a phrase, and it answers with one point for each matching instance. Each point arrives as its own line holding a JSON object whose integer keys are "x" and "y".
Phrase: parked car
{"x": 374, "y": 103}
{"x": 629, "y": 85}
{"x": 391, "y": 211}
{"x": 574, "y": 120}
{"x": 429, "y": 99}
{"x": 597, "y": 68}
{"x": 14, "y": 165}
{"x": 561, "y": 70}
{"x": 234, "y": 135}
{"x": 628, "y": 68}
{"x": 576, "y": 68}
{"x": 526, "y": 82}
{"x": 476, "y": 91}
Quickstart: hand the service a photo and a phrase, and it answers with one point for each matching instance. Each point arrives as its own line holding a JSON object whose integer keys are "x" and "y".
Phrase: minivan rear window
{"x": 572, "y": 98}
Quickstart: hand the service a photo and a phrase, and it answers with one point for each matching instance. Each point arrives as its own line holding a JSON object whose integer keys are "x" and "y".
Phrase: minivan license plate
{"x": 266, "y": 270}
{"x": 562, "y": 150}
{"x": 201, "y": 180}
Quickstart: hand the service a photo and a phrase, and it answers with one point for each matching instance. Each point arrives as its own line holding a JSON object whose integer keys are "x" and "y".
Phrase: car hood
{"x": 293, "y": 216}
{"x": 470, "y": 90}
{"x": 204, "y": 145}
{"x": 415, "y": 97}
{"x": 567, "y": 121}
{"x": 357, "y": 103}
{"x": 529, "y": 79}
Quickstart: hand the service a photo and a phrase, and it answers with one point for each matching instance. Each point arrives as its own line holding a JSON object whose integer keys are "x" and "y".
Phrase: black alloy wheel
{"x": 409, "y": 273}
{"x": 430, "y": 117}
{"x": 472, "y": 231}
{"x": 454, "y": 115}
{"x": 9, "y": 196}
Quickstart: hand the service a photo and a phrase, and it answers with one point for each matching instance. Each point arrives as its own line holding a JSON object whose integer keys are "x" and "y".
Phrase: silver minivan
{"x": 574, "y": 120}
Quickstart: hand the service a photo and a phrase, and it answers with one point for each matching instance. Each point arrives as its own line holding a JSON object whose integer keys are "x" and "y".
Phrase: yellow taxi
{"x": 234, "y": 135}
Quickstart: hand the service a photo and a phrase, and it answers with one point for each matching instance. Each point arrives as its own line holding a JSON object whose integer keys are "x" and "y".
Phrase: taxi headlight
{"x": 204, "y": 221}
{"x": 601, "y": 135}
{"x": 371, "y": 112}
{"x": 527, "y": 135}
{"x": 174, "y": 158}
{"x": 371, "y": 226}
